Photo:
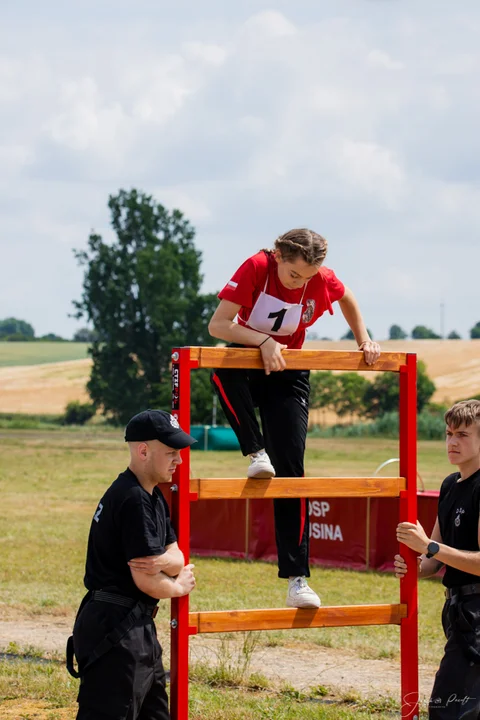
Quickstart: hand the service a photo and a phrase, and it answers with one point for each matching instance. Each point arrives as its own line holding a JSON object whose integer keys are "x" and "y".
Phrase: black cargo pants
{"x": 456, "y": 691}
{"x": 128, "y": 682}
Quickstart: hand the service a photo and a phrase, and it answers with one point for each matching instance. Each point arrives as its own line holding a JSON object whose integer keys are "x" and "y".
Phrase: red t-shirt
{"x": 249, "y": 281}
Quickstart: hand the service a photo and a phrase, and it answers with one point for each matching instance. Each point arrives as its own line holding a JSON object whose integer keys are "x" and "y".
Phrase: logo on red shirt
{"x": 308, "y": 312}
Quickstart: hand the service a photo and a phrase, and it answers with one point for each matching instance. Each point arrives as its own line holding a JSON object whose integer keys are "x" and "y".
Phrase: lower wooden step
{"x": 329, "y": 487}
{"x": 290, "y": 618}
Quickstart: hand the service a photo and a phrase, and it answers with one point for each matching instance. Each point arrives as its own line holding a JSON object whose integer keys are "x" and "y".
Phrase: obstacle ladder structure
{"x": 187, "y": 490}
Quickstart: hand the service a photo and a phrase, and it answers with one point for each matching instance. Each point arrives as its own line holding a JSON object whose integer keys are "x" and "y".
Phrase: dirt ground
{"x": 302, "y": 666}
{"x": 454, "y": 366}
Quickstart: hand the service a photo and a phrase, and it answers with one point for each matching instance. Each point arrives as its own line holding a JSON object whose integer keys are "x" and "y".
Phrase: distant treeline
{"x": 15, "y": 330}
{"x": 419, "y": 332}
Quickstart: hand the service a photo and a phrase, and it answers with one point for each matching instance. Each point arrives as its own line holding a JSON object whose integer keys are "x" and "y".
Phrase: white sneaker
{"x": 300, "y": 595}
{"x": 260, "y": 466}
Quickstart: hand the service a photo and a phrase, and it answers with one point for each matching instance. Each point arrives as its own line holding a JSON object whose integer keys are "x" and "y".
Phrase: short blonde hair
{"x": 465, "y": 412}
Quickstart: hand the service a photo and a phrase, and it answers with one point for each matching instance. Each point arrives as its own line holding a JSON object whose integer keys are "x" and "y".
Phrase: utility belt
{"x": 138, "y": 608}
{"x": 108, "y": 597}
{"x": 461, "y": 590}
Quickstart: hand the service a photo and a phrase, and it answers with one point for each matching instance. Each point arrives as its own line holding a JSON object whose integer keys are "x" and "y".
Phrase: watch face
{"x": 433, "y": 548}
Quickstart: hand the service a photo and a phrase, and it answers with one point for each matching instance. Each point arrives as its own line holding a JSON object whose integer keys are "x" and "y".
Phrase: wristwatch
{"x": 432, "y": 548}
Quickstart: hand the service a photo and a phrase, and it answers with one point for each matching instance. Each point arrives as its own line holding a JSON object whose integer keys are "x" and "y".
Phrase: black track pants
{"x": 456, "y": 691}
{"x": 282, "y": 400}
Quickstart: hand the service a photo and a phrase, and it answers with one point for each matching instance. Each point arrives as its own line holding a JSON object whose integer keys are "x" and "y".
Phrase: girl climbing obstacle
{"x": 269, "y": 303}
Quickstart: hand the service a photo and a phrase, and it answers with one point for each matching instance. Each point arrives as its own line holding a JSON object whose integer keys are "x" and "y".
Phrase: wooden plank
{"x": 296, "y": 359}
{"x": 330, "y": 487}
{"x": 290, "y": 618}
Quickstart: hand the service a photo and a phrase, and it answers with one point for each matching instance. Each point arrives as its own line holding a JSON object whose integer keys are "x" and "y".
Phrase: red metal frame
{"x": 182, "y": 364}
{"x": 408, "y": 512}
{"x": 181, "y": 367}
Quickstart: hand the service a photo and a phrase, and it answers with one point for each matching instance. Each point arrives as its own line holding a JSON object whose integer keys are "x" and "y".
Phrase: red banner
{"x": 338, "y": 529}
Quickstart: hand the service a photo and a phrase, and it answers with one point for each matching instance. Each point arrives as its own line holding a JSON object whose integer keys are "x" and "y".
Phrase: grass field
{"x": 50, "y": 484}
{"x": 52, "y": 697}
{"x": 38, "y": 353}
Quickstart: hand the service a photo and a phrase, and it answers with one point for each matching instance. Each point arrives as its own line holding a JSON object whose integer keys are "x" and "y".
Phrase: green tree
{"x": 420, "y": 332}
{"x": 18, "y": 337}
{"x": 350, "y": 336}
{"x": 77, "y": 413}
{"x": 351, "y": 393}
{"x": 343, "y": 392}
{"x": 475, "y": 332}
{"x": 454, "y": 335}
{"x": 85, "y": 335}
{"x": 51, "y": 337}
{"x": 323, "y": 389}
{"x": 382, "y": 395}
{"x": 12, "y": 326}
{"x": 141, "y": 294}
{"x": 397, "y": 333}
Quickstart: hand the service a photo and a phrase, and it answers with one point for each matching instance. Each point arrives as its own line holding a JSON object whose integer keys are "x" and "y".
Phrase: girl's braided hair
{"x": 303, "y": 243}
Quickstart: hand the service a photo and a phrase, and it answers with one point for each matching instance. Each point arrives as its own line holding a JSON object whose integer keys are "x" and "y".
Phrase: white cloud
{"x": 190, "y": 203}
{"x": 206, "y": 53}
{"x": 14, "y": 158}
{"x": 378, "y": 58}
{"x": 269, "y": 23}
{"x": 360, "y": 119}
{"x": 370, "y": 168}
{"x": 85, "y": 121}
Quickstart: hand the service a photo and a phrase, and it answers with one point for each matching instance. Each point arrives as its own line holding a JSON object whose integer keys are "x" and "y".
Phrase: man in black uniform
{"x": 133, "y": 560}
{"x": 455, "y": 543}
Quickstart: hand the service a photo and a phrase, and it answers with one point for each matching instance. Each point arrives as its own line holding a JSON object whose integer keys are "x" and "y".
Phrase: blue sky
{"x": 357, "y": 118}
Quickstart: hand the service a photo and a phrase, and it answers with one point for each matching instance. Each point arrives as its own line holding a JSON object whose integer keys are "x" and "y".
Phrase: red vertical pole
{"x": 408, "y": 512}
{"x": 181, "y": 366}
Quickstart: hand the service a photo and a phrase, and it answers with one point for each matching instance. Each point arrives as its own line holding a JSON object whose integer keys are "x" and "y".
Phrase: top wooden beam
{"x": 250, "y": 358}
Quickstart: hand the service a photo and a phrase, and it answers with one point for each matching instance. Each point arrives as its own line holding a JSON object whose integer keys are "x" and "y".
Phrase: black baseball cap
{"x": 157, "y": 425}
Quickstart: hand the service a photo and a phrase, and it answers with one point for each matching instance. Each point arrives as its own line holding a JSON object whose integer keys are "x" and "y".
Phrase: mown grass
{"x": 38, "y": 691}
{"x": 39, "y": 353}
{"x": 50, "y": 484}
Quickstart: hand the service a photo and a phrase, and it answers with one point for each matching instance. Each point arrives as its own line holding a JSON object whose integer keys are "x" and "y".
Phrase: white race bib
{"x": 273, "y": 316}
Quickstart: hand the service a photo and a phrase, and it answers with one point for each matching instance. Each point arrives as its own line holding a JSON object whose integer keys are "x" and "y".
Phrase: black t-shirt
{"x": 128, "y": 523}
{"x": 458, "y": 514}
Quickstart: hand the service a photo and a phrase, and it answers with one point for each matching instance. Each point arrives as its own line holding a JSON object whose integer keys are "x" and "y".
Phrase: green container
{"x": 214, "y": 438}
{"x": 198, "y": 432}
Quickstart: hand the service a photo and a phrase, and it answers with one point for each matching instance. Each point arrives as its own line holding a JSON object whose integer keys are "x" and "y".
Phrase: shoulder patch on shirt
{"x": 232, "y": 284}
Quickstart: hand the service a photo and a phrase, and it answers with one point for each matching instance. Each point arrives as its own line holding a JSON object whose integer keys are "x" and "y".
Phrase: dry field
{"x": 43, "y": 389}
{"x": 454, "y": 365}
